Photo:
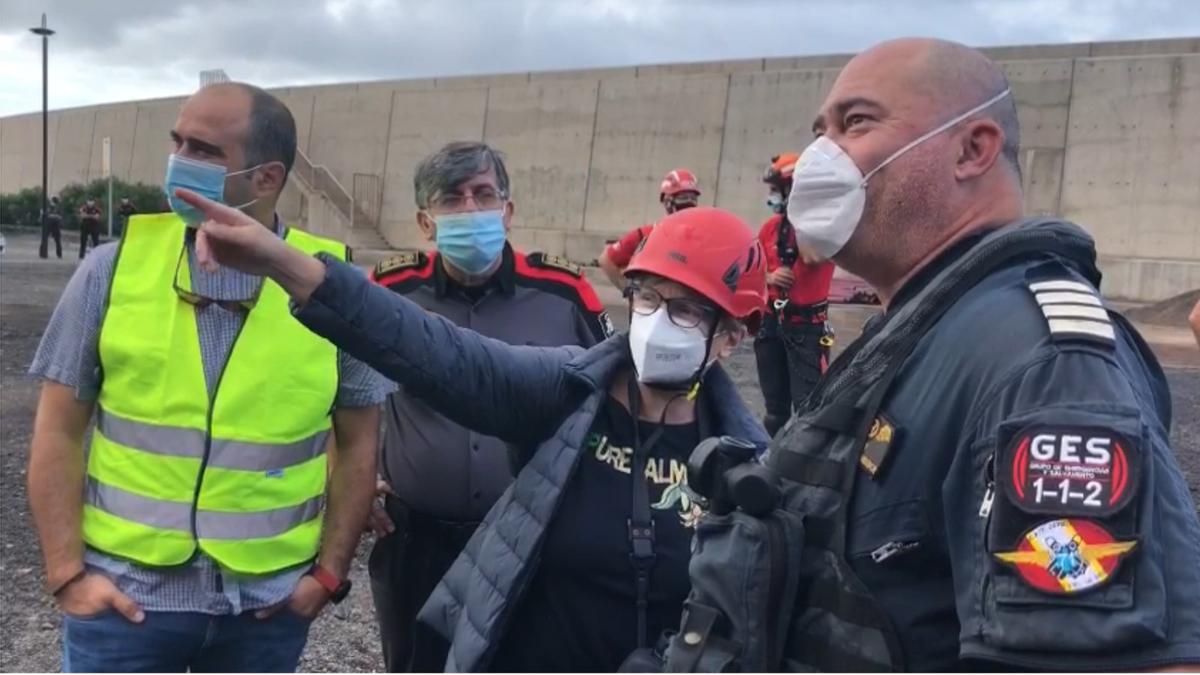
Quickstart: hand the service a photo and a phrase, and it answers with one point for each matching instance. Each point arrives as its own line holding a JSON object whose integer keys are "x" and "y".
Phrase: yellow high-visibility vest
{"x": 240, "y": 477}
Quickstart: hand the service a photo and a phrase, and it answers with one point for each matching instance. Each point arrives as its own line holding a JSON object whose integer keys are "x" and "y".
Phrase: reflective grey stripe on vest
{"x": 153, "y": 438}
{"x": 168, "y": 515}
{"x": 157, "y": 513}
{"x": 257, "y": 525}
{"x": 226, "y": 454}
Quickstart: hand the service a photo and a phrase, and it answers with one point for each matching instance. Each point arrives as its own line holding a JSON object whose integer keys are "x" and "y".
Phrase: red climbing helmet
{"x": 712, "y": 252}
{"x": 779, "y": 173}
{"x": 676, "y": 181}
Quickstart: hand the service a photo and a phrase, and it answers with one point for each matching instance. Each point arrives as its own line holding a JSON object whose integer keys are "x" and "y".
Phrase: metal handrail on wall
{"x": 367, "y": 191}
{"x": 322, "y": 180}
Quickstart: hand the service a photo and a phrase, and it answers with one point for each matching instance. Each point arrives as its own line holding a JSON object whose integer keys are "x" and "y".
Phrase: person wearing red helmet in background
{"x": 585, "y": 556}
{"x": 792, "y": 347}
{"x": 679, "y": 190}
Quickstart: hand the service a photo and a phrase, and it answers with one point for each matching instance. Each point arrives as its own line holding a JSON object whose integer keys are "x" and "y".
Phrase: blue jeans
{"x": 182, "y": 641}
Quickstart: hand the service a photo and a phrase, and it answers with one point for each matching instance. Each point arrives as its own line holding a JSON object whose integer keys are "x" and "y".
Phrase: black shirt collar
{"x": 935, "y": 266}
{"x": 504, "y": 279}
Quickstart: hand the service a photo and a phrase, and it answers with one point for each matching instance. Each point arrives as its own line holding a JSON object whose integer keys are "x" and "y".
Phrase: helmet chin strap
{"x": 694, "y": 389}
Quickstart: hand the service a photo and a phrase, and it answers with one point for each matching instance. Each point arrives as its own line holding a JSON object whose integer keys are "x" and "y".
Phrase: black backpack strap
{"x": 695, "y": 637}
{"x": 785, "y": 243}
{"x": 837, "y": 417}
{"x": 808, "y": 469}
{"x": 694, "y": 633}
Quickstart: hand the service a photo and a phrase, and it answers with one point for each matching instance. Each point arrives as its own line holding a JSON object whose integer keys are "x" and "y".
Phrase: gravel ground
{"x": 342, "y": 639}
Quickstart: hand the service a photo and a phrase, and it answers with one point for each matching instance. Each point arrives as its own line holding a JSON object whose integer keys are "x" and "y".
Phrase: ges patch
{"x": 1067, "y": 513}
{"x": 1069, "y": 470}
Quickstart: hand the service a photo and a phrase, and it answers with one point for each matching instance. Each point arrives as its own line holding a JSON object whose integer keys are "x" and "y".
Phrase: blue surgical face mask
{"x": 471, "y": 241}
{"x": 203, "y": 178}
{"x": 775, "y": 203}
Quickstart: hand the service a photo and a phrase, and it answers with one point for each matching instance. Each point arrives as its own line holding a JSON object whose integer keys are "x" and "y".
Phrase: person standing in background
{"x": 792, "y": 348}
{"x": 679, "y": 190}
{"x": 440, "y": 478}
{"x": 125, "y": 210}
{"x": 89, "y": 225}
{"x": 53, "y": 229}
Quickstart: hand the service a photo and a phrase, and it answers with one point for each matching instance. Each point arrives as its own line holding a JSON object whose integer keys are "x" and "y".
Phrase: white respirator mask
{"x": 829, "y": 192}
{"x": 664, "y": 353}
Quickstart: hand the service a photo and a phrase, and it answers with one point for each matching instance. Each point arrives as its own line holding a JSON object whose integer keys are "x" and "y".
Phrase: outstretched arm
{"x": 514, "y": 393}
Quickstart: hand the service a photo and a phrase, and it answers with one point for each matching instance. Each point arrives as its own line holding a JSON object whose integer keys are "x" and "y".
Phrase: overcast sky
{"x": 114, "y": 50}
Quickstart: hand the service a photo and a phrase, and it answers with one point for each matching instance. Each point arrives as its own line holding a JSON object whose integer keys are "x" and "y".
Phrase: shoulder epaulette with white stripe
{"x": 1073, "y": 310}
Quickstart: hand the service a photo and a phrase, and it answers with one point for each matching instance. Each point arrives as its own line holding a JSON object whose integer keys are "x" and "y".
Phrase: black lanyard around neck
{"x": 641, "y": 521}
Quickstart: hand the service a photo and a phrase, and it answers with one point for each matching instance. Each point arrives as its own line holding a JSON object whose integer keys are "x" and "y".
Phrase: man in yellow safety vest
{"x": 204, "y": 528}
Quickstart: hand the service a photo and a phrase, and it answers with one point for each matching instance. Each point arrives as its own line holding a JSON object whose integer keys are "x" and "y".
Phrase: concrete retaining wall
{"x": 1110, "y": 140}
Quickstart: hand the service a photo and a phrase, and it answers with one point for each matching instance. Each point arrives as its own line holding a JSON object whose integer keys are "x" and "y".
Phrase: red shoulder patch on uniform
{"x": 403, "y": 267}
{"x": 544, "y": 267}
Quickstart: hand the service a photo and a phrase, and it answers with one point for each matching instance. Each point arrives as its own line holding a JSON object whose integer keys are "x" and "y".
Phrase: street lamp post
{"x": 45, "y": 33}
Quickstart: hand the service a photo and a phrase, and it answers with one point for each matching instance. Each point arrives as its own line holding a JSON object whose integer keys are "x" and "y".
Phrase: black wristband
{"x": 63, "y": 586}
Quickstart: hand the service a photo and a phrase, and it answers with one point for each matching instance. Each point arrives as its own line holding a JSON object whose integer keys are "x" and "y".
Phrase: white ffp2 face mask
{"x": 664, "y": 353}
{"x": 829, "y": 192}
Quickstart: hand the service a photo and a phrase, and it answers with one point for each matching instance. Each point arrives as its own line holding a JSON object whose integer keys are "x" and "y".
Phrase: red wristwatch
{"x": 338, "y": 588}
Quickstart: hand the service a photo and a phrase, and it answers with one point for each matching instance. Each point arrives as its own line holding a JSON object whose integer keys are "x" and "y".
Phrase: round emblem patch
{"x": 1067, "y": 556}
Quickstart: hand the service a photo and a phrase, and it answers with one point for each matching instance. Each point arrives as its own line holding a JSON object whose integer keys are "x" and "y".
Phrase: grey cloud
{"x": 88, "y": 25}
{"x": 280, "y": 42}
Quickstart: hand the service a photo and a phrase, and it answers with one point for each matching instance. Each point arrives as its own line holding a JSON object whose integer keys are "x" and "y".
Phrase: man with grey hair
{"x": 985, "y": 475}
{"x": 439, "y": 478}
{"x": 203, "y": 529}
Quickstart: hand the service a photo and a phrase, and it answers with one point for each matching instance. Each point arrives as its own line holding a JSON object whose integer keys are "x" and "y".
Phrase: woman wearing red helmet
{"x": 585, "y": 557}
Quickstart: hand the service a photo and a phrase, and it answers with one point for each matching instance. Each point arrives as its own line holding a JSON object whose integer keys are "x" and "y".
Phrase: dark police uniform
{"x": 447, "y": 476}
{"x": 53, "y": 228}
{"x": 1011, "y": 498}
{"x": 126, "y": 210}
{"x": 89, "y": 227}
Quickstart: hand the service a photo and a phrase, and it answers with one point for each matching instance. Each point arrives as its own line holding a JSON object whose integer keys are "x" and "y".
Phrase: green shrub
{"x": 21, "y": 208}
{"x": 24, "y": 207}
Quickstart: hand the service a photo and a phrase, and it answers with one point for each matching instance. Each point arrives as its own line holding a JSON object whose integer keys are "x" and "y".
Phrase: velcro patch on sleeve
{"x": 555, "y": 262}
{"x": 1069, "y": 470}
{"x": 878, "y": 446}
{"x": 401, "y": 261}
{"x": 1073, "y": 310}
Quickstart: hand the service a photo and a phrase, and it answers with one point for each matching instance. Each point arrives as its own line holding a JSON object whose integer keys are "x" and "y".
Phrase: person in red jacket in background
{"x": 792, "y": 346}
{"x": 679, "y": 190}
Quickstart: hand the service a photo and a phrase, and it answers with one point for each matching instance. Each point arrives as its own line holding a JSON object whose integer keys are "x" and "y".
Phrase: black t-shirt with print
{"x": 579, "y": 613}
